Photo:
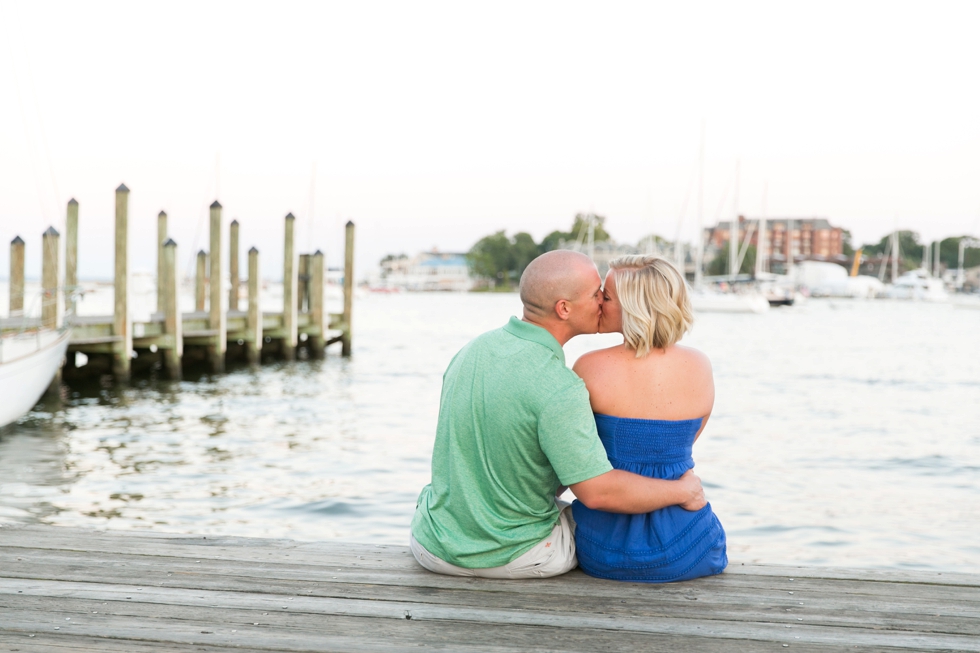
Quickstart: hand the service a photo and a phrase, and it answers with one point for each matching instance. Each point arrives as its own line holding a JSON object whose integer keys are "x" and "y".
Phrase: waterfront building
{"x": 811, "y": 239}
{"x": 427, "y": 271}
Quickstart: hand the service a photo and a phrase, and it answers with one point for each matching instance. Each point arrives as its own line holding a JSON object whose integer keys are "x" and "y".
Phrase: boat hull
{"x": 24, "y": 379}
{"x": 728, "y": 303}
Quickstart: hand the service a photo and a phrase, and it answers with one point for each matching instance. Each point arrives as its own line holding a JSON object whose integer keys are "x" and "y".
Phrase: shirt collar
{"x": 534, "y": 333}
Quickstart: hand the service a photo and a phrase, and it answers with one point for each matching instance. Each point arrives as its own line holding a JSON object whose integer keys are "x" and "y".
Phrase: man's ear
{"x": 563, "y": 309}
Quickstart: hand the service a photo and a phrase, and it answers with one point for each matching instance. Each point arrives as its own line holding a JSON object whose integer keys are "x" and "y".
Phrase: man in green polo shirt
{"x": 515, "y": 425}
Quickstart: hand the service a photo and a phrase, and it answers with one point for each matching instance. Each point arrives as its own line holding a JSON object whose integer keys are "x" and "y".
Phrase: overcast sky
{"x": 432, "y": 124}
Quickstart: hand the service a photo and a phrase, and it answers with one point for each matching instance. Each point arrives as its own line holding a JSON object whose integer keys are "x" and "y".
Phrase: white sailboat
{"x": 29, "y": 361}
{"x": 704, "y": 300}
{"x": 918, "y": 285}
{"x": 709, "y": 300}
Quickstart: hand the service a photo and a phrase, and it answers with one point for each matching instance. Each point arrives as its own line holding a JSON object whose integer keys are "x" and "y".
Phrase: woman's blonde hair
{"x": 656, "y": 306}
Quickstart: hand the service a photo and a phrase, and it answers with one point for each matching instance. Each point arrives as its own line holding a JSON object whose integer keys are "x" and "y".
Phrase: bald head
{"x": 553, "y": 276}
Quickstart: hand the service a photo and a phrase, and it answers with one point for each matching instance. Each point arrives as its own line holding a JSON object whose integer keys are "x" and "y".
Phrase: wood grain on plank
{"x": 168, "y": 599}
{"x": 156, "y": 588}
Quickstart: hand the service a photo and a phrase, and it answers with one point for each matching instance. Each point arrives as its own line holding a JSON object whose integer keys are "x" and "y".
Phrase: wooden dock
{"x": 216, "y": 330}
{"x": 80, "y": 590}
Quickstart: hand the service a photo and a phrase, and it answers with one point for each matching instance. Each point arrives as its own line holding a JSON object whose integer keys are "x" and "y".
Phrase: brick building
{"x": 807, "y": 238}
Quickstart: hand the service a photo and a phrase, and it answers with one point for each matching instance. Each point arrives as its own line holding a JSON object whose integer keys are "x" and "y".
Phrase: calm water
{"x": 844, "y": 433}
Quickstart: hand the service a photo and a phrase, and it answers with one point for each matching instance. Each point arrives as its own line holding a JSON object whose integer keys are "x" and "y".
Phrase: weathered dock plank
{"x": 162, "y": 591}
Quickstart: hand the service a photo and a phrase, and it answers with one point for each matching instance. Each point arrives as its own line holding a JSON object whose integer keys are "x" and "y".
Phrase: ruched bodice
{"x": 661, "y": 546}
{"x": 657, "y": 448}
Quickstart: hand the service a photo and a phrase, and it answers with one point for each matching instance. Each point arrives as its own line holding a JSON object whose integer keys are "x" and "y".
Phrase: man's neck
{"x": 558, "y": 330}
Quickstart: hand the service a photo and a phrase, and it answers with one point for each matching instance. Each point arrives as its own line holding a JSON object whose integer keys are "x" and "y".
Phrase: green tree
{"x": 908, "y": 244}
{"x": 524, "y": 251}
{"x": 949, "y": 253}
{"x": 503, "y": 259}
{"x": 662, "y": 243}
{"x": 553, "y": 240}
{"x": 719, "y": 265}
{"x": 580, "y": 225}
{"x": 492, "y": 257}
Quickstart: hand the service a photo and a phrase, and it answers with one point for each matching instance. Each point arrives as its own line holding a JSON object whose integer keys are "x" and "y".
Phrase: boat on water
{"x": 918, "y": 285}
{"x": 29, "y": 361}
{"x": 704, "y": 300}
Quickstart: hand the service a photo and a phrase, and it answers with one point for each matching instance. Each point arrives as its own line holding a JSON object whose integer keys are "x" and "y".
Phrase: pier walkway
{"x": 67, "y": 589}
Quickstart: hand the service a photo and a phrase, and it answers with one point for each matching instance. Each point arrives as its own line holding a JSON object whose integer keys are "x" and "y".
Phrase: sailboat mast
{"x": 959, "y": 267}
{"x": 591, "y": 242}
{"x": 733, "y": 231}
{"x": 895, "y": 254}
{"x": 699, "y": 240}
{"x": 790, "y": 256}
{"x": 884, "y": 259}
{"x": 762, "y": 253}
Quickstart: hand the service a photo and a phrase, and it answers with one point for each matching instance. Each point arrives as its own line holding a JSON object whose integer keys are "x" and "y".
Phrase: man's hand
{"x": 692, "y": 484}
{"x": 627, "y": 493}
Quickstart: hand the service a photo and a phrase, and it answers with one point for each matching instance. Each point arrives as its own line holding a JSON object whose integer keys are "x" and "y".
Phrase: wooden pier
{"x": 81, "y": 590}
{"x": 216, "y": 330}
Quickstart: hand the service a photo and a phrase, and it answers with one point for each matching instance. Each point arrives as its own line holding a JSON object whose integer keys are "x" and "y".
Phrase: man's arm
{"x": 632, "y": 494}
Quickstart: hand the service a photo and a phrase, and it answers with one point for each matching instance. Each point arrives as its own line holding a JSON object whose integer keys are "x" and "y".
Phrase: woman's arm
{"x": 705, "y": 382}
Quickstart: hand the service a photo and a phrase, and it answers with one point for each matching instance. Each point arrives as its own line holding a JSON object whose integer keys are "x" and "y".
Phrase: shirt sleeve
{"x": 568, "y": 436}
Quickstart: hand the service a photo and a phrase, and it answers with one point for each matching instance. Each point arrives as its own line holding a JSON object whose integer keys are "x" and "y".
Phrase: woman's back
{"x": 672, "y": 383}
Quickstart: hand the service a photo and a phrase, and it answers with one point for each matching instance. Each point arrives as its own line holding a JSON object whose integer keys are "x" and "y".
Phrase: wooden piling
{"x": 172, "y": 322}
{"x": 233, "y": 266}
{"x": 317, "y": 340}
{"x": 16, "y": 276}
{"x": 216, "y": 319}
{"x": 201, "y": 281}
{"x": 289, "y": 279}
{"x": 49, "y": 291}
{"x": 348, "y": 287}
{"x": 121, "y": 326}
{"x": 303, "y": 284}
{"x": 71, "y": 251}
{"x": 161, "y": 242}
{"x": 216, "y": 316}
{"x": 254, "y": 322}
{"x": 50, "y": 242}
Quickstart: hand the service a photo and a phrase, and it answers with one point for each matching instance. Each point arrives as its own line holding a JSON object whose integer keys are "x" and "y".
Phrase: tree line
{"x": 502, "y": 258}
{"x": 911, "y": 250}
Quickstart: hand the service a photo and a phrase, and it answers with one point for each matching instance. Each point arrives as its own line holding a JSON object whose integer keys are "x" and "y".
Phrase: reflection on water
{"x": 843, "y": 434}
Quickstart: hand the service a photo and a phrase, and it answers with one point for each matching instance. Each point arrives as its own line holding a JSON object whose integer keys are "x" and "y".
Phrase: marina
{"x": 83, "y": 590}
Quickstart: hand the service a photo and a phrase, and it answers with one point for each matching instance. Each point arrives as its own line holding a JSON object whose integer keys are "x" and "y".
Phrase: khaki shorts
{"x": 552, "y": 556}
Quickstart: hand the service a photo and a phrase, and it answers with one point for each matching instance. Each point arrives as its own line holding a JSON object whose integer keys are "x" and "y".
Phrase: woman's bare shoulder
{"x": 693, "y": 357}
{"x": 693, "y": 366}
{"x": 593, "y": 361}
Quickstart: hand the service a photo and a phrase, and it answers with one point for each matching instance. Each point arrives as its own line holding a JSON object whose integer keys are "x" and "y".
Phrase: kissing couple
{"x": 517, "y": 427}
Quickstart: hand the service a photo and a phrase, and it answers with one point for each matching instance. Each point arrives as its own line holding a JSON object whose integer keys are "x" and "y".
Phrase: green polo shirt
{"x": 514, "y": 424}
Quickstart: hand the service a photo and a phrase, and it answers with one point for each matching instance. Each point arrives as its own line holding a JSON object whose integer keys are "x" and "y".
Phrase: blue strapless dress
{"x": 666, "y": 545}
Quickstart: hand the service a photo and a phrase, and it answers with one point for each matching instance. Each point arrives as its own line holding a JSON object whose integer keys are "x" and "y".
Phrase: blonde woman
{"x": 651, "y": 398}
